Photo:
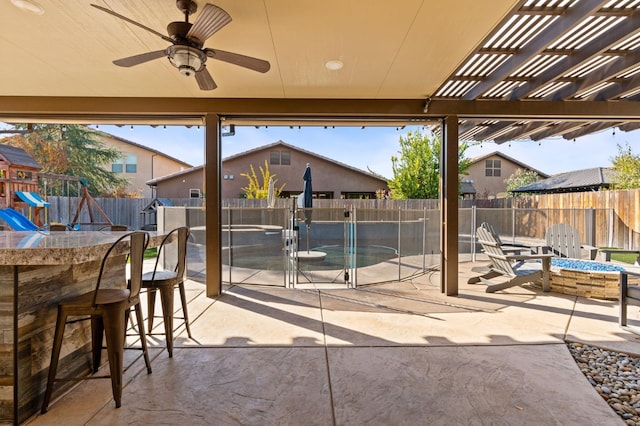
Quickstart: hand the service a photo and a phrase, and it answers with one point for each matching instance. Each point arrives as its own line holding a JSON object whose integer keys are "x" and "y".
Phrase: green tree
{"x": 520, "y": 178}
{"x": 72, "y": 150}
{"x": 255, "y": 189}
{"x": 626, "y": 166}
{"x": 416, "y": 172}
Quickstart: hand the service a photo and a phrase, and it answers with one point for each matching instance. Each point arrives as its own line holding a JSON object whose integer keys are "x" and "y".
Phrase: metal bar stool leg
{"x": 55, "y": 355}
{"x": 166, "y": 299}
{"x": 183, "y": 298}
{"x": 143, "y": 337}
{"x": 97, "y": 331}
{"x": 114, "y": 328}
{"x": 151, "y": 307}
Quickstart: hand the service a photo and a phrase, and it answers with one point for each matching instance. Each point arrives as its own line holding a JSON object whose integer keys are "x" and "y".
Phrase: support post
{"x": 449, "y": 203}
{"x": 213, "y": 205}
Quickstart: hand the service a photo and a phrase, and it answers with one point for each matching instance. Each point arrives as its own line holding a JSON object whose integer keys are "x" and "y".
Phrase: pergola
{"x": 485, "y": 71}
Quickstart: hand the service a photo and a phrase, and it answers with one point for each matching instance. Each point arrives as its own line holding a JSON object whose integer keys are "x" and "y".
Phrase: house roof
{"x": 154, "y": 182}
{"x": 467, "y": 187}
{"x": 511, "y": 159}
{"x": 18, "y": 156}
{"x": 279, "y": 143}
{"x": 591, "y": 179}
{"x": 137, "y": 145}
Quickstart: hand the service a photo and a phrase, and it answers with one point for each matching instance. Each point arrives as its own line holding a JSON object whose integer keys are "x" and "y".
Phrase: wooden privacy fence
{"x": 122, "y": 211}
{"x": 606, "y": 218}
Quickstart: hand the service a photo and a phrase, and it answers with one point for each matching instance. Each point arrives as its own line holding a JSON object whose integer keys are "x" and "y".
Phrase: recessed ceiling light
{"x": 334, "y": 65}
{"x": 28, "y": 6}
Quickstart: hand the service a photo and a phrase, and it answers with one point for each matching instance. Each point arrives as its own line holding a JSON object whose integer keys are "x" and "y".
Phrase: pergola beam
{"x": 523, "y": 131}
{"x": 593, "y": 48}
{"x": 602, "y": 74}
{"x": 571, "y": 17}
{"x": 588, "y": 129}
{"x": 559, "y": 129}
{"x": 625, "y": 87}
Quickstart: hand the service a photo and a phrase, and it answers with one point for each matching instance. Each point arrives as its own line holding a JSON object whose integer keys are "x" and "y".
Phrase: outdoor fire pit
{"x": 585, "y": 278}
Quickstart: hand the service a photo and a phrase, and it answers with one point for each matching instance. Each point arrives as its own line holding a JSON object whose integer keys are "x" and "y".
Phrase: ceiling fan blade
{"x": 131, "y": 21}
{"x": 140, "y": 59}
{"x": 208, "y": 22}
{"x": 204, "y": 79}
{"x": 238, "y": 59}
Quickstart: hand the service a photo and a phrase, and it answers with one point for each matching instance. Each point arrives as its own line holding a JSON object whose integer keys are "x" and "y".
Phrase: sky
{"x": 371, "y": 148}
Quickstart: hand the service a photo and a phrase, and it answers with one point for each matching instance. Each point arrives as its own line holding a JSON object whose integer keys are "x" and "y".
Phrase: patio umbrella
{"x": 271, "y": 193}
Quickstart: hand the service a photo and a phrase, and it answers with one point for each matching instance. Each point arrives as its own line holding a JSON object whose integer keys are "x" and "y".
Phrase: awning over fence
{"x": 32, "y": 198}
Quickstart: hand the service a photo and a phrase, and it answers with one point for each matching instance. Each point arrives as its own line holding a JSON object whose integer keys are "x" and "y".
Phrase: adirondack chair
{"x": 563, "y": 240}
{"x": 514, "y": 248}
{"x": 508, "y": 270}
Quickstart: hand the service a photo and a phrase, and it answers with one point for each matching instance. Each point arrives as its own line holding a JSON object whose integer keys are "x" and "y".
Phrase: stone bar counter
{"x": 36, "y": 272}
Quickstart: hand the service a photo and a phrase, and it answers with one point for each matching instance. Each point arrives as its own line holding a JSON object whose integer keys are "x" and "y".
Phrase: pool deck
{"x": 385, "y": 354}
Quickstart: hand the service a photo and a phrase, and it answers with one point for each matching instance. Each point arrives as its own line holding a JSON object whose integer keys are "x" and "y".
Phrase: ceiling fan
{"x": 186, "y": 52}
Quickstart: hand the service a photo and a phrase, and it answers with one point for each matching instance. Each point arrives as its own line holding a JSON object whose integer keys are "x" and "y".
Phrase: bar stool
{"x": 165, "y": 281}
{"x": 108, "y": 310}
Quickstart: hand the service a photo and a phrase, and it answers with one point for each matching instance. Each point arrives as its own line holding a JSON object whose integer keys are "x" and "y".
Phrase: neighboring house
{"x": 331, "y": 179}
{"x": 594, "y": 179}
{"x": 139, "y": 163}
{"x": 488, "y": 173}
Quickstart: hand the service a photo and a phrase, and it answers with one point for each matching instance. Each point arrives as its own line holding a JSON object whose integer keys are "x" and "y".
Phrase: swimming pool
{"x": 334, "y": 259}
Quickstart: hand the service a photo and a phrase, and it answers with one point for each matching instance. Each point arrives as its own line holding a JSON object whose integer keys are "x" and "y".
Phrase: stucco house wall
{"x": 149, "y": 164}
{"x": 331, "y": 179}
{"x": 488, "y": 184}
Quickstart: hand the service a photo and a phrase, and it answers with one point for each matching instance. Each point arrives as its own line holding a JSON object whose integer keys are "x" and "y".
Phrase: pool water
{"x": 584, "y": 265}
{"x": 335, "y": 259}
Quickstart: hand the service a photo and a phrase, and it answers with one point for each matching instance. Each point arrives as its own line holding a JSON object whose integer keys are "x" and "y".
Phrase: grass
{"x": 623, "y": 257}
{"x": 153, "y": 252}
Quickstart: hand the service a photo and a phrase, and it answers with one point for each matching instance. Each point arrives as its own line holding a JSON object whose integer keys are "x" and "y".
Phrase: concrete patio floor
{"x": 387, "y": 354}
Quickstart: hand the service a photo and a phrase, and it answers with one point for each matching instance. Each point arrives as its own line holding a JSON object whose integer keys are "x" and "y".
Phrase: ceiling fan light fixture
{"x": 28, "y": 6}
{"x": 187, "y": 59}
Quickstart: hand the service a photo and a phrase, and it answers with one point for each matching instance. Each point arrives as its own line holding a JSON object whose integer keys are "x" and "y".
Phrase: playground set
{"x": 19, "y": 174}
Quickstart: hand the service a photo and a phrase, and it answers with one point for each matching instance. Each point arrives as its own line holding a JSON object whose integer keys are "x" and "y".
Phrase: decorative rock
{"x": 615, "y": 376}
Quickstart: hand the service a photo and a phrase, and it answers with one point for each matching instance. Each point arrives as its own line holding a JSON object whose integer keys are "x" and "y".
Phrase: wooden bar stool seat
{"x": 166, "y": 280}
{"x": 108, "y": 310}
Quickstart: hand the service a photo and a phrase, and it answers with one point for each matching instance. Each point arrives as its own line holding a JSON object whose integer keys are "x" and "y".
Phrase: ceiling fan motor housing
{"x": 187, "y": 59}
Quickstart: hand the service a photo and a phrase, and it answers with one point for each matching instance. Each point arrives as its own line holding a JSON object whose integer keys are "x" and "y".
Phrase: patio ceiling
{"x": 487, "y": 65}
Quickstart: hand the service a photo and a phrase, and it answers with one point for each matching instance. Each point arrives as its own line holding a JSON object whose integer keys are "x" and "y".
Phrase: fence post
{"x": 590, "y": 219}
{"x": 473, "y": 233}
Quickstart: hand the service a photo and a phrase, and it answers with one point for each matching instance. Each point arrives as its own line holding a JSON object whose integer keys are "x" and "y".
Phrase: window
{"x": 194, "y": 193}
{"x": 492, "y": 167}
{"x": 285, "y": 158}
{"x": 131, "y": 164}
{"x": 280, "y": 157}
{"x": 116, "y": 166}
{"x": 274, "y": 157}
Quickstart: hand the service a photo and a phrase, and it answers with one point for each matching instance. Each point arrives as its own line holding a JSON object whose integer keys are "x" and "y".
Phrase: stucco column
{"x": 213, "y": 205}
{"x": 449, "y": 203}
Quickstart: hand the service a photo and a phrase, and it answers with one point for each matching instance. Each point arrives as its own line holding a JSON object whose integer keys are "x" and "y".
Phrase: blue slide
{"x": 16, "y": 220}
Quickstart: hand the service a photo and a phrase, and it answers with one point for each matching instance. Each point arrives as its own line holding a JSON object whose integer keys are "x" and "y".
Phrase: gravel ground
{"x": 614, "y": 375}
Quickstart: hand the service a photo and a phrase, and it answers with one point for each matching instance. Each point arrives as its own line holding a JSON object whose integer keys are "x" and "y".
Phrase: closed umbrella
{"x": 307, "y": 201}
{"x": 271, "y": 193}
